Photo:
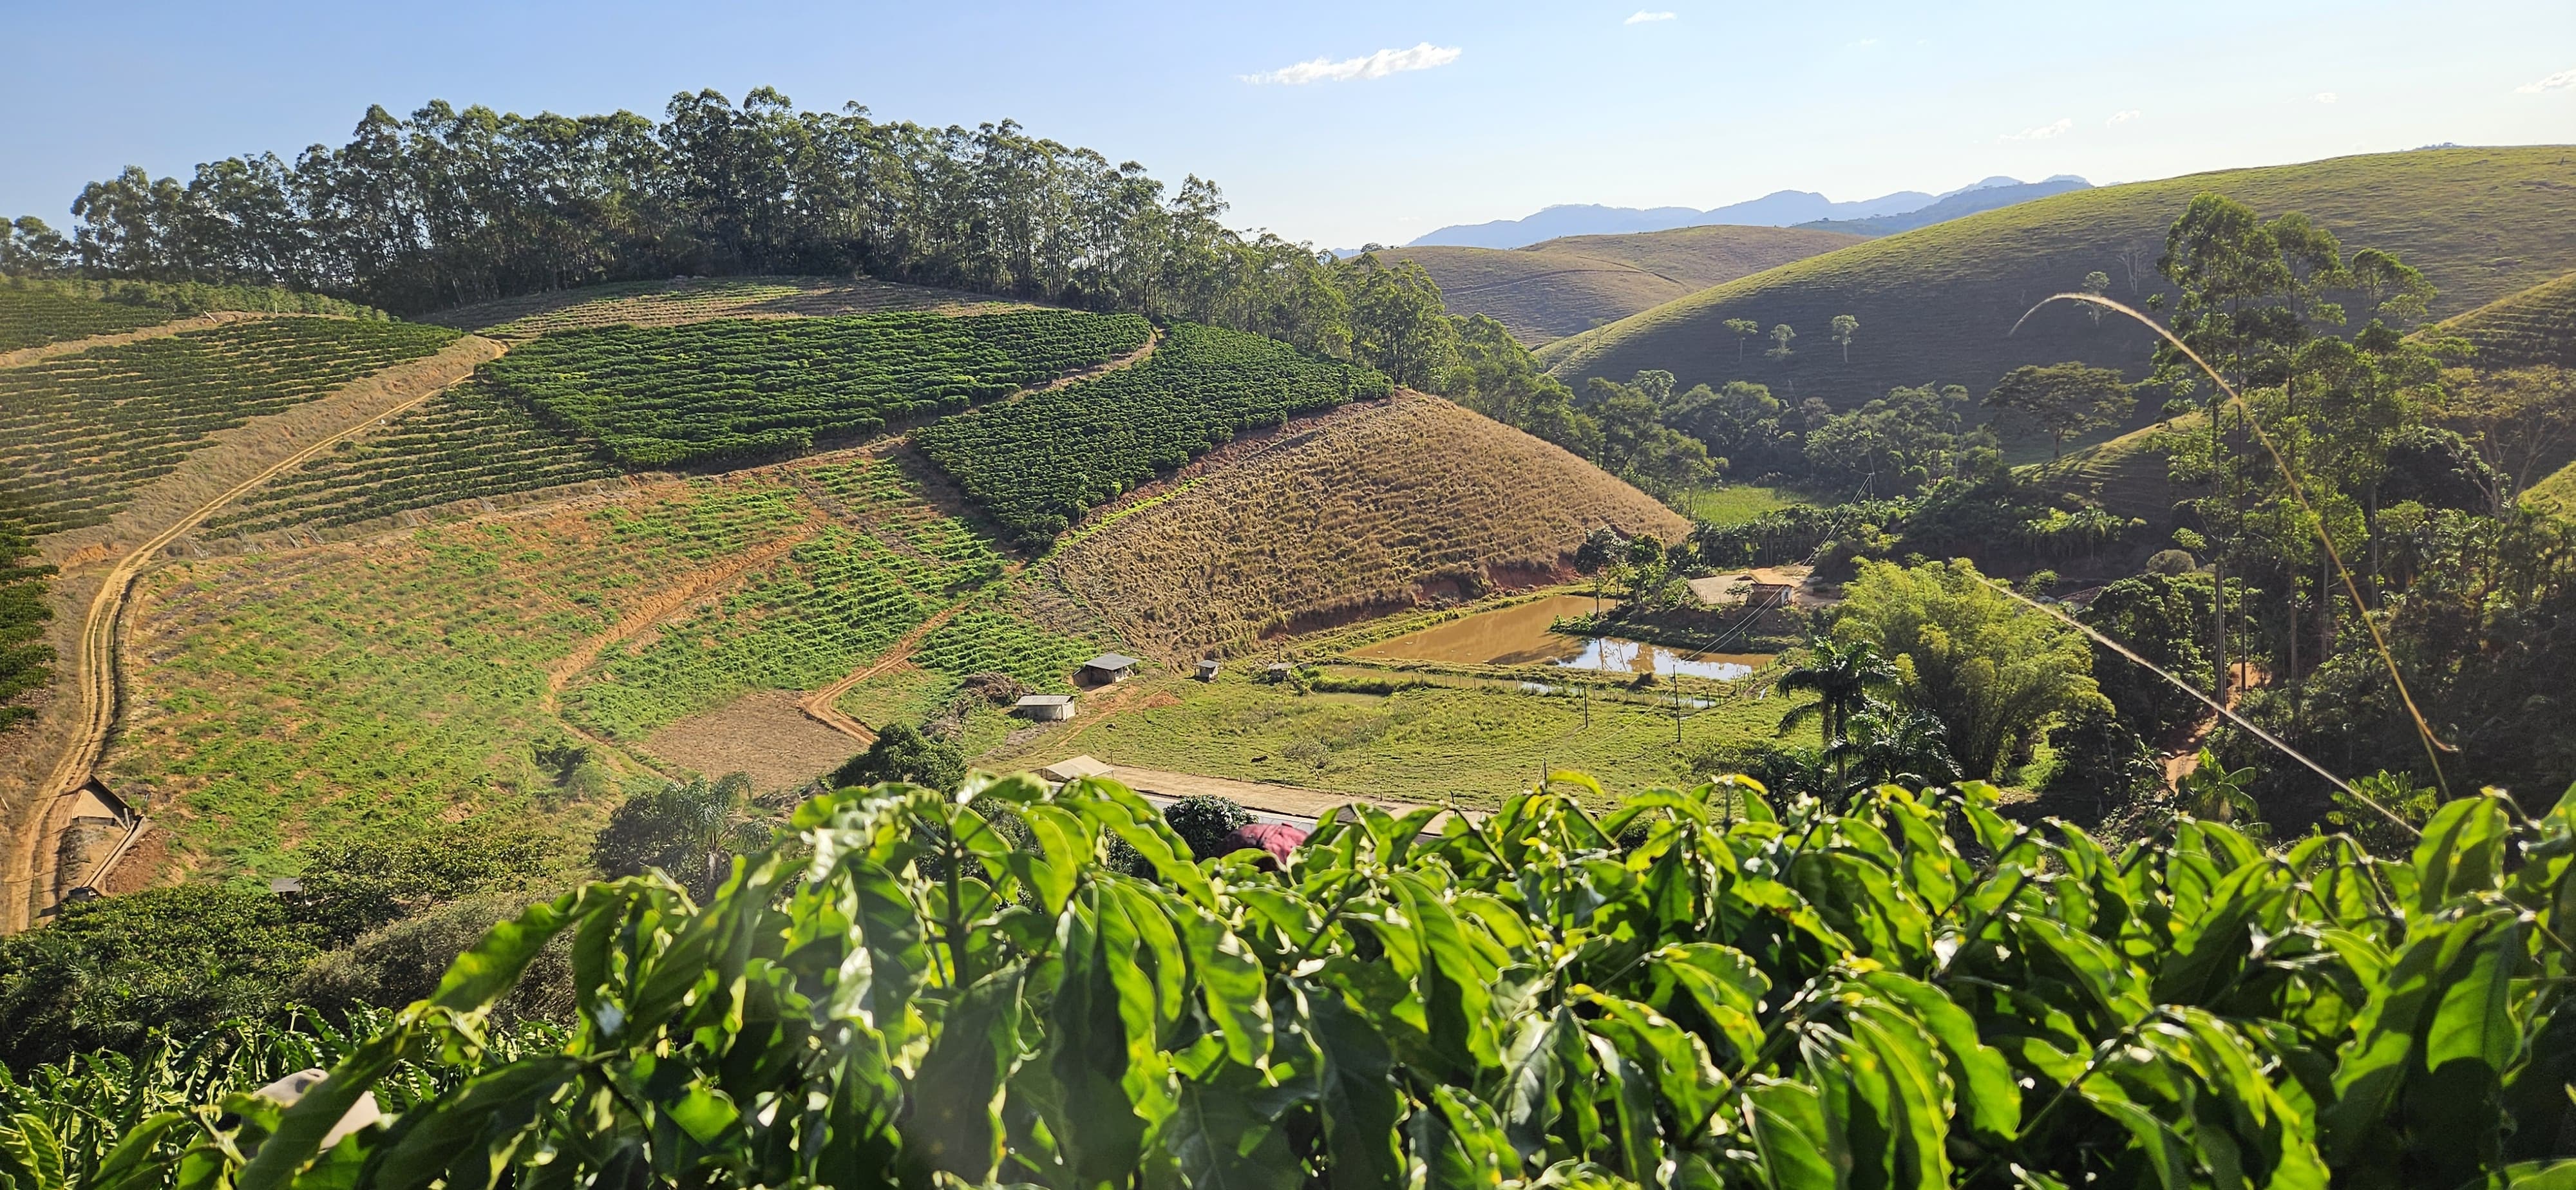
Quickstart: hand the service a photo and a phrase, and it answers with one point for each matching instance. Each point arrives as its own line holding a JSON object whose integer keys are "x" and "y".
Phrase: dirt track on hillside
{"x": 26, "y": 886}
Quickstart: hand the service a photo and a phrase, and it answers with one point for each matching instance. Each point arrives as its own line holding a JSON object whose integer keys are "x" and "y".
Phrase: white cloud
{"x": 1644, "y": 16}
{"x": 2043, "y": 132}
{"x": 1375, "y": 66}
{"x": 2122, "y": 117}
{"x": 2326, "y": 97}
{"x": 2556, "y": 82}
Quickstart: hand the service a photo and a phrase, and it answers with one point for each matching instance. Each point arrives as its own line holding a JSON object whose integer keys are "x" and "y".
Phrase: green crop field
{"x": 1462, "y": 738}
{"x": 463, "y": 443}
{"x": 281, "y": 700}
{"x": 804, "y": 620}
{"x": 1038, "y": 463}
{"x": 37, "y": 312}
{"x": 992, "y": 638}
{"x": 2535, "y": 326}
{"x": 1734, "y": 503}
{"x": 323, "y": 692}
{"x": 31, "y": 317}
{"x": 1937, "y": 305}
{"x": 662, "y": 395}
{"x": 82, "y": 431}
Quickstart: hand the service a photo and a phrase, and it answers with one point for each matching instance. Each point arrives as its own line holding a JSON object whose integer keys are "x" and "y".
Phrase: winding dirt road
{"x": 30, "y": 874}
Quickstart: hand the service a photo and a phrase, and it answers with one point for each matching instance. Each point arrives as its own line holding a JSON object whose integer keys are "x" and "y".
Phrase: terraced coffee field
{"x": 320, "y": 692}
{"x": 33, "y": 317}
{"x": 278, "y": 700}
{"x": 82, "y": 431}
{"x": 1038, "y": 463}
{"x": 745, "y": 389}
{"x": 467, "y": 442}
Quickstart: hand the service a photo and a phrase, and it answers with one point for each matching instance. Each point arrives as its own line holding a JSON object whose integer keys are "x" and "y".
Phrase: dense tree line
{"x": 449, "y": 206}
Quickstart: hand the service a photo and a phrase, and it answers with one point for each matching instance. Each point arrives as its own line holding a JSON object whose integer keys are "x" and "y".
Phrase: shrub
{"x": 1758, "y": 993}
{"x": 902, "y": 753}
{"x": 1204, "y": 821}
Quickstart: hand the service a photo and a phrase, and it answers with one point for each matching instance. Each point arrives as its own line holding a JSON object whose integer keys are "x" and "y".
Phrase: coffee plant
{"x": 658, "y": 396}
{"x": 1038, "y": 463}
{"x": 464, "y": 443}
{"x": 1704, "y": 988}
{"x": 83, "y": 431}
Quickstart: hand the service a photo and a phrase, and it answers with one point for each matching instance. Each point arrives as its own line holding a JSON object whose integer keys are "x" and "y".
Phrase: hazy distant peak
{"x": 1780, "y": 208}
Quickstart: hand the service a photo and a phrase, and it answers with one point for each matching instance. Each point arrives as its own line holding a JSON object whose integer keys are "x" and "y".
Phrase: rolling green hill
{"x": 1564, "y": 286}
{"x": 1935, "y": 304}
{"x": 2535, "y": 326}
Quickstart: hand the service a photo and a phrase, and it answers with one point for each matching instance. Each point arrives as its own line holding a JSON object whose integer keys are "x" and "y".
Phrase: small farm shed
{"x": 1276, "y": 671}
{"x": 1074, "y": 768}
{"x": 1207, "y": 670}
{"x": 1761, "y": 587}
{"x": 1044, "y": 707}
{"x": 1109, "y": 667}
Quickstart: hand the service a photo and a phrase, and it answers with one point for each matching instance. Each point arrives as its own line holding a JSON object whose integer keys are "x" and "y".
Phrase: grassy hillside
{"x": 1364, "y": 514}
{"x": 1568, "y": 285}
{"x": 1935, "y": 304}
{"x": 2535, "y": 326}
{"x": 2126, "y": 475}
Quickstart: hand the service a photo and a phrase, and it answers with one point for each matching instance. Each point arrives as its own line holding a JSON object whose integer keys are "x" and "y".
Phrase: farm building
{"x": 1044, "y": 707}
{"x": 1074, "y": 768}
{"x": 1761, "y": 587}
{"x": 1207, "y": 670}
{"x": 1108, "y": 667}
{"x": 1276, "y": 671}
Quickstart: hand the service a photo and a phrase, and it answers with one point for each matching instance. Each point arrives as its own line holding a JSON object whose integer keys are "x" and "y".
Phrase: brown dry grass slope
{"x": 674, "y": 303}
{"x": 1377, "y": 508}
{"x": 1936, "y": 304}
{"x": 1569, "y": 285}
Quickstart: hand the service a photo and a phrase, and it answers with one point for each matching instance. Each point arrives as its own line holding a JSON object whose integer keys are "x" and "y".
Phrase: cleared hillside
{"x": 1935, "y": 304}
{"x": 1376, "y": 508}
{"x": 1569, "y": 285}
{"x": 2535, "y": 326}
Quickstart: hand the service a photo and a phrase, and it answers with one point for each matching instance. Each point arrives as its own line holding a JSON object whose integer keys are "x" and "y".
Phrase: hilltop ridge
{"x": 1939, "y": 304}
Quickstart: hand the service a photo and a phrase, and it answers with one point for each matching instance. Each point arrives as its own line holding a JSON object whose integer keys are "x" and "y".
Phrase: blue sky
{"x": 1538, "y": 104}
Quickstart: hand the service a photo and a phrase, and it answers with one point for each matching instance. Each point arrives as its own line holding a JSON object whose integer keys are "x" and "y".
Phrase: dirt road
{"x": 26, "y": 887}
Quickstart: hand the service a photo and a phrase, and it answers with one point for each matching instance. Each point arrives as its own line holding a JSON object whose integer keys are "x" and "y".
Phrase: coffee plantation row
{"x": 752, "y": 388}
{"x": 1038, "y": 463}
{"x": 464, "y": 443}
{"x": 82, "y": 431}
{"x": 800, "y": 624}
{"x": 1013, "y": 984}
{"x": 32, "y": 317}
{"x": 36, "y": 312}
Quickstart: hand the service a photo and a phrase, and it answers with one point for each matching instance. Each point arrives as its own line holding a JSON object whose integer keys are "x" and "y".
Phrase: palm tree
{"x": 1840, "y": 674}
{"x": 689, "y": 832}
{"x": 1898, "y": 744}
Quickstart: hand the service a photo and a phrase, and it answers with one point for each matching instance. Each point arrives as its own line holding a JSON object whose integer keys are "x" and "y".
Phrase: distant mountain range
{"x": 1984, "y": 196}
{"x": 1786, "y": 208}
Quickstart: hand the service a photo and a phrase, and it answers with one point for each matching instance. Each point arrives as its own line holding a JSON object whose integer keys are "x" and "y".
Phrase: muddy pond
{"x": 1519, "y": 635}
